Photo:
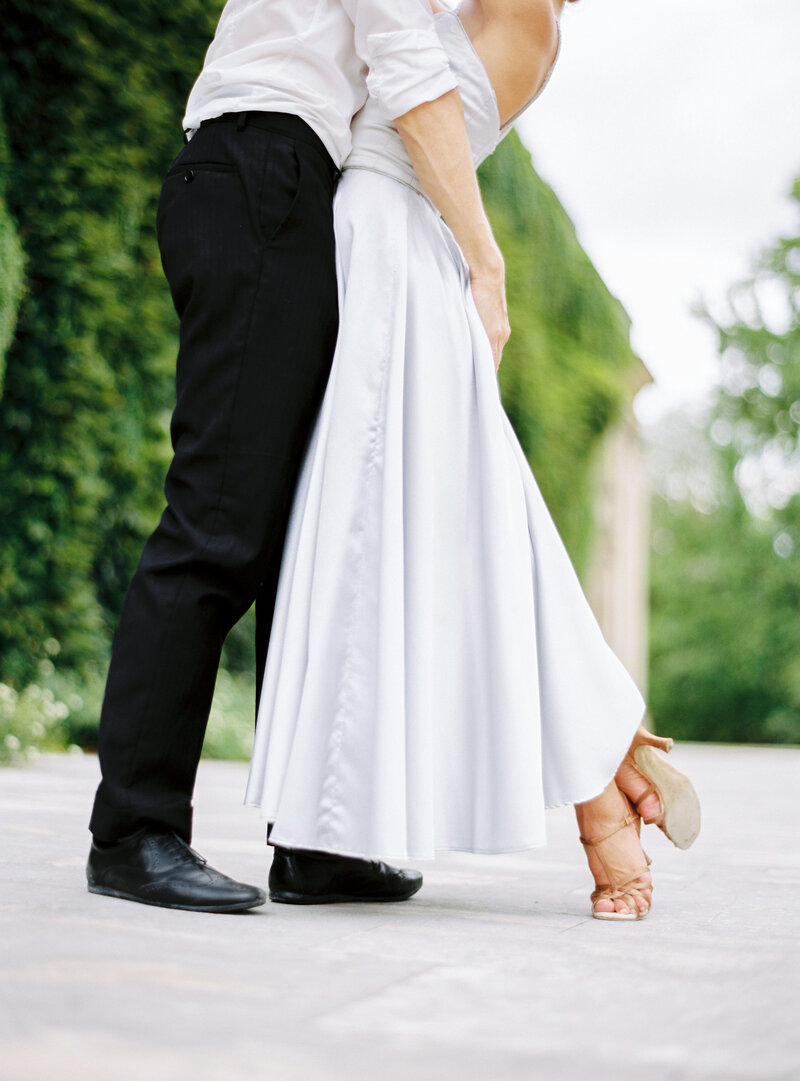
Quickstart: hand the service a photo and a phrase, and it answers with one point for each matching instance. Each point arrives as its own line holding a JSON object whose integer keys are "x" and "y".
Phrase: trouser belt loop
{"x": 241, "y": 123}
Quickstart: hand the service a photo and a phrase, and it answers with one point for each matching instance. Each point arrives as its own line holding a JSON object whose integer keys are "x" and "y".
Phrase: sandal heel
{"x": 680, "y": 815}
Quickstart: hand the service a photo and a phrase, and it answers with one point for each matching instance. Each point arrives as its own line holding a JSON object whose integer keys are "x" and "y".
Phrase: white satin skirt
{"x": 436, "y": 678}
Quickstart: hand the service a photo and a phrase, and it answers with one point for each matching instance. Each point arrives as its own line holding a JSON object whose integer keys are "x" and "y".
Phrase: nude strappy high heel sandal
{"x": 621, "y": 883}
{"x": 679, "y": 815}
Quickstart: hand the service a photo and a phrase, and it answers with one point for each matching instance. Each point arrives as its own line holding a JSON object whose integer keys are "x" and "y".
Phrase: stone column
{"x": 617, "y": 580}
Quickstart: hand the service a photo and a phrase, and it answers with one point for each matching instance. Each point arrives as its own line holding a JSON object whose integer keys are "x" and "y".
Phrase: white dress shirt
{"x": 318, "y": 59}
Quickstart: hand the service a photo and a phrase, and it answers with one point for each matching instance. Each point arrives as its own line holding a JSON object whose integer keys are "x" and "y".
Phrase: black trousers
{"x": 245, "y": 229}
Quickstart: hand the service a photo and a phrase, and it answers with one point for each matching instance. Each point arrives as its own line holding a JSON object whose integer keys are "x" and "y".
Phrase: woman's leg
{"x": 600, "y": 818}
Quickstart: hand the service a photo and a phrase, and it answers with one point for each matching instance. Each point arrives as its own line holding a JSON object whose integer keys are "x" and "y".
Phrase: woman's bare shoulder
{"x": 517, "y": 41}
{"x": 531, "y": 16}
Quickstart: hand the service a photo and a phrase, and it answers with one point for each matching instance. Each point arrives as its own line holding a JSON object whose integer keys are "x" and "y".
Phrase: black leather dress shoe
{"x": 155, "y": 867}
{"x": 300, "y": 877}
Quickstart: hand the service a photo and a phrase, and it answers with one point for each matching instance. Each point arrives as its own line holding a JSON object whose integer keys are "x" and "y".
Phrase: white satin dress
{"x": 436, "y": 678}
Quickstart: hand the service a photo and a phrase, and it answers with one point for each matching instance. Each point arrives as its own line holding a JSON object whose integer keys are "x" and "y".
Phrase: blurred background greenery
{"x": 91, "y": 98}
{"x": 725, "y": 602}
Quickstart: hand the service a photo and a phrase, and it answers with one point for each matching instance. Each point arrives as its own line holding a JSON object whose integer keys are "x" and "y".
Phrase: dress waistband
{"x": 385, "y": 167}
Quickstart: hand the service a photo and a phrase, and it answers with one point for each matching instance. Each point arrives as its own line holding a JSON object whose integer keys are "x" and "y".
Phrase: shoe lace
{"x": 175, "y": 846}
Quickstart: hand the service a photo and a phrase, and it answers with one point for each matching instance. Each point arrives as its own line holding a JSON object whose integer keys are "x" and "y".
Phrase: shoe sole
{"x": 678, "y": 797}
{"x": 619, "y": 917}
{"x": 240, "y": 906}
{"x": 286, "y": 897}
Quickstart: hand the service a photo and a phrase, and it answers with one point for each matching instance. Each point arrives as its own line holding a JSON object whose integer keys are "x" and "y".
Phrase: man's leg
{"x": 246, "y": 236}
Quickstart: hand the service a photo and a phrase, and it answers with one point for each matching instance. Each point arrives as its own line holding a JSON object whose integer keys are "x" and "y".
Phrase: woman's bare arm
{"x": 436, "y": 140}
{"x": 516, "y": 41}
{"x": 412, "y": 81}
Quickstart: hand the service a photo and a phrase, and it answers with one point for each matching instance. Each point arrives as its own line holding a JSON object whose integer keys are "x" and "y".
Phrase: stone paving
{"x": 494, "y": 972}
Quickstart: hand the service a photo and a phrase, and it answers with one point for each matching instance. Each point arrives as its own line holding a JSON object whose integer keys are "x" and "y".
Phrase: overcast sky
{"x": 671, "y": 133}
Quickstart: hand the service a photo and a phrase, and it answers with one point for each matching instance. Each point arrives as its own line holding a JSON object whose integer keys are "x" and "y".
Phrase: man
{"x": 246, "y": 237}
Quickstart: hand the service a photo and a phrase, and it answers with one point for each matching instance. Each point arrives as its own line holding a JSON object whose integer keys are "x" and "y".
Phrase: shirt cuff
{"x": 407, "y": 67}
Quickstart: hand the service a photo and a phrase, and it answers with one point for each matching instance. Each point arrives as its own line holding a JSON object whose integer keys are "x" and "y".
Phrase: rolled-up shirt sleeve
{"x": 406, "y": 63}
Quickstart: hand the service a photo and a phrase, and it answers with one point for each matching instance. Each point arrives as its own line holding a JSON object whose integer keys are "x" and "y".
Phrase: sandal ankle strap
{"x": 629, "y": 820}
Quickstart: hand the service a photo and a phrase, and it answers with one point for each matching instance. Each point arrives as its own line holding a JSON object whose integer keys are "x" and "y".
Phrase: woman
{"x": 435, "y": 677}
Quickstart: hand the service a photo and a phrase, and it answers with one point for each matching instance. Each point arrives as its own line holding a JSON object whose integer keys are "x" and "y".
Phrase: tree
{"x": 725, "y": 633}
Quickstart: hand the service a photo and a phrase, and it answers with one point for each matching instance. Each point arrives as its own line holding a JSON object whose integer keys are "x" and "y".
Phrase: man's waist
{"x": 285, "y": 124}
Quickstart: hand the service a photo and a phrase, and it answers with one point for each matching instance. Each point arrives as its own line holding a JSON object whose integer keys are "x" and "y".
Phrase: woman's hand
{"x": 488, "y": 283}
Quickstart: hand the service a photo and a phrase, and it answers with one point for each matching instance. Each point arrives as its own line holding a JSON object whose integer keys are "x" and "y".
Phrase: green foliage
{"x": 11, "y": 261}
{"x": 566, "y": 367}
{"x": 92, "y": 96}
{"x": 759, "y": 401}
{"x": 35, "y": 718}
{"x": 29, "y": 721}
{"x": 60, "y": 708}
{"x": 725, "y": 633}
{"x": 231, "y": 723}
{"x": 725, "y": 637}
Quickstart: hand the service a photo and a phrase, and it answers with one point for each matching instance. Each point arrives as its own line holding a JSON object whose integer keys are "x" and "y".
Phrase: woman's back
{"x": 376, "y": 143}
